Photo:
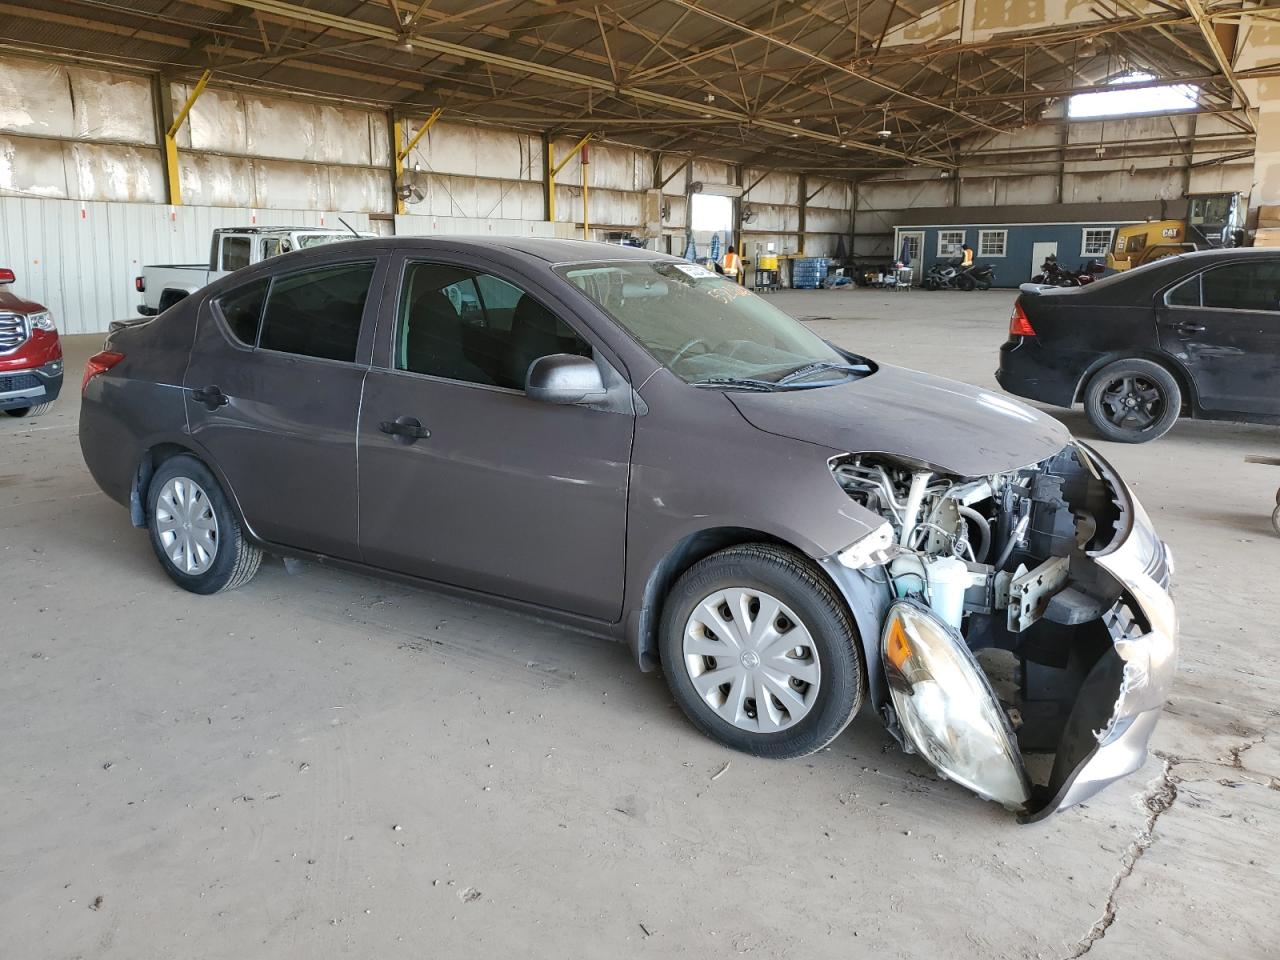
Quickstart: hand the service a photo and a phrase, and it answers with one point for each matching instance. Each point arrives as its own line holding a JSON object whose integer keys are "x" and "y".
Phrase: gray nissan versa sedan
{"x": 631, "y": 444}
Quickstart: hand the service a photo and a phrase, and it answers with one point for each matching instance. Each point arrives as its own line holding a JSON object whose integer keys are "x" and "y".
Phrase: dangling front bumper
{"x": 1116, "y": 712}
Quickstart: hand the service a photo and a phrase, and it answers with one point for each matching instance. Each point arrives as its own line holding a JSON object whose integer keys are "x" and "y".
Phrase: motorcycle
{"x": 952, "y": 276}
{"x": 1052, "y": 274}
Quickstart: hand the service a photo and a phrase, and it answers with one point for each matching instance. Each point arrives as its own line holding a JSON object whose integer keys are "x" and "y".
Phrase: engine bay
{"x": 1004, "y": 562}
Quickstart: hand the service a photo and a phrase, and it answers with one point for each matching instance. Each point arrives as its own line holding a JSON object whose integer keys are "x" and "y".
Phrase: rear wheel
{"x": 761, "y": 653}
{"x": 194, "y": 532}
{"x": 1133, "y": 401}
{"x": 35, "y": 411}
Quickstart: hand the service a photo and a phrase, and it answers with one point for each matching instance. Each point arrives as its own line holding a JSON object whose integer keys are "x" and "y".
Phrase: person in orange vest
{"x": 732, "y": 263}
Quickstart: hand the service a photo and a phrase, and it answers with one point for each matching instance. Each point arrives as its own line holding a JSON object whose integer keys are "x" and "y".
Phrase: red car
{"x": 30, "y": 354}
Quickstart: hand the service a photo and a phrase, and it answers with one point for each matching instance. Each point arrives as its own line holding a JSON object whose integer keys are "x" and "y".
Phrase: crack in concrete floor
{"x": 1158, "y": 801}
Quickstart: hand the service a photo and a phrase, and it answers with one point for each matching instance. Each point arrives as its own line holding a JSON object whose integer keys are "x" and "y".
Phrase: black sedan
{"x": 1194, "y": 335}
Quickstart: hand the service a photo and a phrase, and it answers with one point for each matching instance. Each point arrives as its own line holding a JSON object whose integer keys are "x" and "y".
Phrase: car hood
{"x": 954, "y": 427}
{"x": 12, "y": 303}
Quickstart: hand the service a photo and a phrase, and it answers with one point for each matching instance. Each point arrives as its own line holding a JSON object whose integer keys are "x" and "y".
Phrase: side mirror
{"x": 565, "y": 378}
{"x": 6, "y": 275}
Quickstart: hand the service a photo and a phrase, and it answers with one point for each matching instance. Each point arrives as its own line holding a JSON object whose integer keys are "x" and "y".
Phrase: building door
{"x": 1039, "y": 251}
{"x": 914, "y": 242}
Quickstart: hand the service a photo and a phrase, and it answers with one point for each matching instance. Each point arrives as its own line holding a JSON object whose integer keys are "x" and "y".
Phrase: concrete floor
{"x": 326, "y": 765}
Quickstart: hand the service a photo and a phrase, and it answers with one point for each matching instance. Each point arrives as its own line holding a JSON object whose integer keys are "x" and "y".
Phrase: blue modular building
{"x": 1015, "y": 239}
{"x": 1015, "y": 250}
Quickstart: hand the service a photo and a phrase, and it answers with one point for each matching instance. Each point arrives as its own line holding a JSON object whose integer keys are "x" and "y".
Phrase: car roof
{"x": 547, "y": 249}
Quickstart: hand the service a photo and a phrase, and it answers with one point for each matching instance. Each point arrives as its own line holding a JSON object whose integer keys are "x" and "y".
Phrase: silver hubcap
{"x": 187, "y": 526}
{"x": 751, "y": 660}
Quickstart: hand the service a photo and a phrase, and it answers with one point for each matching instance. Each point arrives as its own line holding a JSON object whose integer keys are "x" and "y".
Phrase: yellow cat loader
{"x": 1213, "y": 220}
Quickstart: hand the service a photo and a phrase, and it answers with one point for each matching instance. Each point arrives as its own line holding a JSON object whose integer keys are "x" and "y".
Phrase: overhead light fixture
{"x": 884, "y": 133}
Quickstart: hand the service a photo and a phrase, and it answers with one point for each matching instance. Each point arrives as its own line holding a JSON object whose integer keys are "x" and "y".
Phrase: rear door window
{"x": 1185, "y": 294}
{"x": 317, "y": 313}
{"x": 1244, "y": 286}
{"x": 242, "y": 310}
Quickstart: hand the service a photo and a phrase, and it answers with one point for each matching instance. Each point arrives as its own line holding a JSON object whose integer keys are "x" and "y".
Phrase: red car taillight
{"x": 99, "y": 363}
{"x": 1019, "y": 325}
{"x": 140, "y": 284}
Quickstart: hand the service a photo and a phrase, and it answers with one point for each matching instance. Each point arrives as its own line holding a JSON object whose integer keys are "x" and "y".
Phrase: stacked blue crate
{"x": 807, "y": 273}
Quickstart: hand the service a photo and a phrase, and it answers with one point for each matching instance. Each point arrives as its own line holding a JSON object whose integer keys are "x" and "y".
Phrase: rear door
{"x": 1223, "y": 325}
{"x": 273, "y": 390}
{"x": 492, "y": 491}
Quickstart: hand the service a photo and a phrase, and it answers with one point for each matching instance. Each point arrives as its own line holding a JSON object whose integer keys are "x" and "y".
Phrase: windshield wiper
{"x": 747, "y": 383}
{"x": 811, "y": 368}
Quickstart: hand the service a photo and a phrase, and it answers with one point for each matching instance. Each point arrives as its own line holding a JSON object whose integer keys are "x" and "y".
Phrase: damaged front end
{"x": 1018, "y": 627}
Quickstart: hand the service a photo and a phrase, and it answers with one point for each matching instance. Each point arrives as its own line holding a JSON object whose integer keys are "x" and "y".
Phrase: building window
{"x": 1122, "y": 102}
{"x": 991, "y": 243}
{"x": 950, "y": 242}
{"x": 1096, "y": 241}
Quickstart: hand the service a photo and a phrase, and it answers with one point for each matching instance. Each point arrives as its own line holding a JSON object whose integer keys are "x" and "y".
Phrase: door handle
{"x": 211, "y": 396}
{"x": 405, "y": 429}
{"x": 1187, "y": 327}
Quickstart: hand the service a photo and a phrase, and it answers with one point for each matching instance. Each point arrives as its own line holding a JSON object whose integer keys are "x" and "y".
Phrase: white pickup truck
{"x": 164, "y": 285}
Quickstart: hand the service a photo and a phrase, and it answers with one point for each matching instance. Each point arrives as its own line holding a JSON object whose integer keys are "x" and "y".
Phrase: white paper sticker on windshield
{"x": 694, "y": 270}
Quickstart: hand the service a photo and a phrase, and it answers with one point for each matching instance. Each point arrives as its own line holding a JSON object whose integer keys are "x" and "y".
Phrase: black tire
{"x": 966, "y": 283}
{"x": 984, "y": 284}
{"x": 235, "y": 559}
{"x": 802, "y": 588}
{"x": 1154, "y": 392}
{"x": 35, "y": 411}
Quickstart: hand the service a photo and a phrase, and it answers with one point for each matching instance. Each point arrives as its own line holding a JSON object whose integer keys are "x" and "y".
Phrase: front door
{"x": 1039, "y": 251}
{"x": 913, "y": 240}
{"x": 273, "y": 388}
{"x": 467, "y": 481}
{"x": 1224, "y": 327}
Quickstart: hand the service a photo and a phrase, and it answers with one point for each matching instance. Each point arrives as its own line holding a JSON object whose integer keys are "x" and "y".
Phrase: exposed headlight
{"x": 947, "y": 708}
{"x": 41, "y": 321}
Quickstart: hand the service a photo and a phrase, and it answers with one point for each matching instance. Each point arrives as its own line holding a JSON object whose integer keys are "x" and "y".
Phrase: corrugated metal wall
{"x": 72, "y": 138}
{"x": 79, "y": 259}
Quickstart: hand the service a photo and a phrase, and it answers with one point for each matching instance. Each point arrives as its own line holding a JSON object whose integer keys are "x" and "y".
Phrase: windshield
{"x": 318, "y": 239}
{"x": 703, "y": 327}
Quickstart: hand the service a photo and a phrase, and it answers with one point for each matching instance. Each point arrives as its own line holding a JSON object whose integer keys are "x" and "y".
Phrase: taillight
{"x": 140, "y": 284}
{"x": 99, "y": 363}
{"x": 1019, "y": 325}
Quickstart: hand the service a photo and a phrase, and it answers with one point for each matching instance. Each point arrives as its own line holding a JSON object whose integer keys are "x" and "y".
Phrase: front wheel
{"x": 761, "y": 653}
{"x": 195, "y": 534}
{"x": 1133, "y": 401}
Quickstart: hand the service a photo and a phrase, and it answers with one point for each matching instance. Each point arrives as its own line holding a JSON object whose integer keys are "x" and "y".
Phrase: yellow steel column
{"x": 586, "y": 162}
{"x": 171, "y": 142}
{"x": 397, "y": 138}
{"x": 551, "y": 181}
{"x": 402, "y": 153}
{"x": 554, "y": 168}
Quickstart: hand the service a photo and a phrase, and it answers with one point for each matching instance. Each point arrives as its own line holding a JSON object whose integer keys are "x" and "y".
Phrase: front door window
{"x": 474, "y": 327}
